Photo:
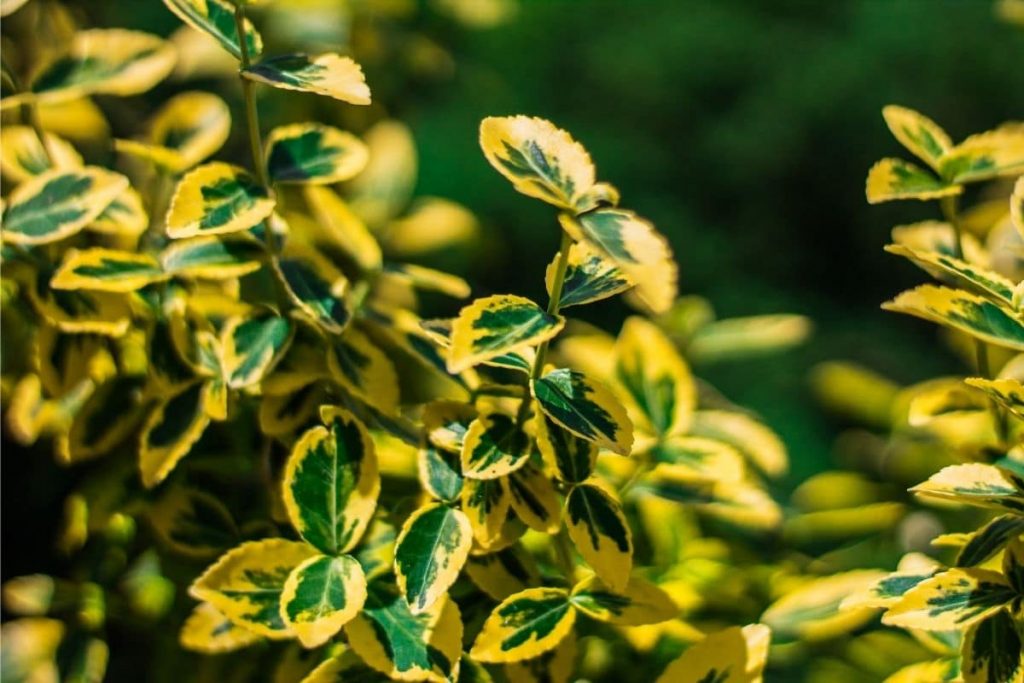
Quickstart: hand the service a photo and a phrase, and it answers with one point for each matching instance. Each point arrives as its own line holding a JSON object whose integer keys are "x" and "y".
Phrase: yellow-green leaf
{"x": 251, "y": 346}
{"x": 976, "y": 484}
{"x": 811, "y": 611}
{"x": 215, "y": 199}
{"x": 125, "y": 216}
{"x": 246, "y": 583}
{"x": 495, "y": 325}
{"x": 891, "y": 179}
{"x": 493, "y": 447}
{"x": 986, "y": 155}
{"x": 1008, "y": 393}
{"x": 585, "y": 407}
{"x": 338, "y": 227}
{"x": 329, "y": 74}
{"x": 23, "y": 157}
{"x": 640, "y": 603}
{"x": 331, "y": 482}
{"x": 104, "y": 62}
{"x": 635, "y": 247}
{"x": 657, "y": 388}
{"x": 534, "y": 498}
{"x": 317, "y": 286}
{"x": 170, "y": 432}
{"x": 524, "y": 626}
{"x": 106, "y": 270}
{"x": 430, "y": 553}
{"x": 992, "y": 651}
{"x": 986, "y": 282}
{"x": 212, "y": 258}
{"x": 573, "y": 457}
{"x": 208, "y": 631}
{"x": 588, "y": 277}
{"x": 540, "y": 160}
{"x": 187, "y": 129}
{"x": 320, "y": 596}
{"x": 732, "y": 655}
{"x": 758, "y": 443}
{"x": 598, "y": 528}
{"x": 502, "y": 573}
{"x": 314, "y": 153}
{"x": 486, "y": 502}
{"x": 362, "y": 368}
{"x": 406, "y": 646}
{"x": 58, "y": 203}
{"x": 217, "y": 18}
{"x": 700, "y": 457}
{"x": 429, "y": 279}
{"x": 746, "y": 337}
{"x": 954, "y": 599}
{"x": 1017, "y": 206}
{"x": 919, "y": 134}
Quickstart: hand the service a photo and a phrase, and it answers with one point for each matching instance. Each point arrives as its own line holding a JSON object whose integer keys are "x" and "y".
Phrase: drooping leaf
{"x": 212, "y": 258}
{"x": 759, "y": 444}
{"x": 170, "y": 432}
{"x": 495, "y": 325}
{"x": 314, "y": 153}
{"x": 486, "y": 502}
{"x": 187, "y": 129}
{"x": 585, "y": 407}
{"x": 208, "y": 631}
{"x": 534, "y": 498}
{"x": 246, "y": 583}
{"x": 331, "y": 483}
{"x": 992, "y": 651}
{"x": 976, "y": 484}
{"x": 635, "y": 247}
{"x": 640, "y": 603}
{"x": 540, "y": 160}
{"x": 329, "y": 74}
{"x": 215, "y": 199}
{"x": 1008, "y": 393}
{"x": 440, "y": 473}
{"x": 588, "y": 277}
{"x": 58, "y": 203}
{"x": 493, "y": 447}
{"x": 364, "y": 370}
{"x": 891, "y": 179}
{"x": 430, "y": 553}
{"x": 732, "y": 655}
{"x": 954, "y": 599}
{"x": 403, "y": 645}
{"x": 573, "y": 457}
{"x": 103, "y": 62}
{"x": 217, "y": 18}
{"x": 657, "y": 388}
{"x": 320, "y": 596}
{"x": 919, "y": 134}
{"x": 106, "y": 270}
{"x": 986, "y": 282}
{"x": 598, "y": 528}
{"x": 23, "y": 157}
{"x": 251, "y": 346}
{"x": 524, "y": 626}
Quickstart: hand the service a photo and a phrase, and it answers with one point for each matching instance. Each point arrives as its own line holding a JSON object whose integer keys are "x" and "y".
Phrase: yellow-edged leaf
{"x": 640, "y": 603}
{"x": 986, "y": 155}
{"x": 493, "y": 447}
{"x": 329, "y": 74}
{"x": 217, "y": 198}
{"x": 992, "y": 651}
{"x": 585, "y": 407}
{"x": 758, "y": 443}
{"x": 495, "y": 325}
{"x": 208, "y": 631}
{"x": 976, "y": 484}
{"x": 430, "y": 553}
{"x": 190, "y": 127}
{"x": 251, "y": 346}
{"x": 811, "y": 611}
{"x": 1008, "y": 393}
{"x": 954, "y": 599}
{"x": 598, "y": 528}
{"x": 106, "y": 270}
{"x": 733, "y": 655}
{"x": 314, "y": 153}
{"x": 1017, "y": 206}
{"x": 891, "y": 179}
{"x": 919, "y": 134}
{"x": 486, "y": 502}
{"x": 320, "y": 596}
{"x": 534, "y": 498}
{"x": 217, "y": 19}
{"x": 171, "y": 430}
{"x": 524, "y": 626}
{"x": 986, "y": 282}
{"x": 338, "y": 227}
{"x": 23, "y": 157}
{"x": 212, "y": 258}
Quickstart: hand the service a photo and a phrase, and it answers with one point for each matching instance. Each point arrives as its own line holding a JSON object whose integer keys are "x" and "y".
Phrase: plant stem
{"x": 950, "y": 212}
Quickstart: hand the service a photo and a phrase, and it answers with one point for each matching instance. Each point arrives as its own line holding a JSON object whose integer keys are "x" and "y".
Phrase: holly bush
{"x": 300, "y": 458}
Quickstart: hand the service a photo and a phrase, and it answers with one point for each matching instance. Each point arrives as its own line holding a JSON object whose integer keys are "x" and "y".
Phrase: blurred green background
{"x": 742, "y": 128}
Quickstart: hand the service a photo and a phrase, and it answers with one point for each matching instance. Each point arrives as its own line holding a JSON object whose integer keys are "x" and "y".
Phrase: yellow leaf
{"x": 954, "y": 599}
{"x": 210, "y": 632}
{"x": 22, "y": 155}
{"x": 188, "y": 128}
{"x": 733, "y": 655}
{"x": 107, "y": 270}
{"x": 919, "y": 134}
{"x": 891, "y": 179}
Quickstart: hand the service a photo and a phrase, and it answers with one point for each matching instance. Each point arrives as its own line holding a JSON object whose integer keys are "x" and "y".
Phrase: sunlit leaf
{"x": 732, "y": 655}
{"x": 985, "y": 282}
{"x": 317, "y": 286}
{"x": 919, "y": 134}
{"x": 106, "y": 270}
{"x": 210, "y": 632}
{"x": 246, "y": 583}
{"x": 986, "y": 155}
{"x": 989, "y": 540}
{"x": 1008, "y": 393}
{"x": 23, "y": 157}
{"x": 360, "y": 366}
{"x": 314, "y": 153}
{"x": 329, "y": 74}
{"x": 891, "y": 179}
{"x": 58, "y": 203}
{"x": 331, "y": 483}
{"x": 586, "y": 408}
{"x": 758, "y": 443}
{"x": 992, "y": 651}
{"x": 525, "y": 625}
{"x": 1017, "y": 206}
{"x": 573, "y": 457}
{"x": 598, "y": 528}
{"x": 534, "y": 498}
{"x": 340, "y": 228}
{"x": 251, "y": 346}
{"x": 976, "y": 484}
{"x": 217, "y": 18}
{"x": 320, "y": 596}
{"x": 212, "y": 258}
{"x": 502, "y": 573}
{"x": 188, "y": 128}
{"x": 486, "y": 502}
{"x": 495, "y": 325}
{"x": 125, "y": 216}
{"x": 588, "y": 277}
{"x": 954, "y": 599}
{"x": 638, "y": 604}
{"x": 493, "y": 447}
{"x": 540, "y": 160}
{"x": 430, "y": 552}
{"x": 811, "y": 611}
{"x": 215, "y": 199}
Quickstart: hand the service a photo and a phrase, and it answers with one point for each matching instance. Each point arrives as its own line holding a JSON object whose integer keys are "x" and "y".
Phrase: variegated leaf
{"x": 406, "y": 646}
{"x": 976, "y": 484}
{"x": 217, "y": 198}
{"x": 58, "y": 203}
{"x": 338, "y": 227}
{"x": 430, "y": 553}
{"x": 314, "y": 153}
{"x": 524, "y": 626}
{"x": 986, "y": 155}
{"x": 1008, "y": 393}
{"x": 493, "y": 447}
{"x": 992, "y": 651}
{"x": 440, "y": 474}
{"x": 320, "y": 596}
{"x": 986, "y": 282}
{"x": 364, "y": 370}
{"x": 759, "y": 444}
{"x": 891, "y": 179}
{"x": 1017, "y": 206}
{"x": 190, "y": 127}
{"x": 251, "y": 346}
{"x": 212, "y": 258}
{"x": 329, "y": 74}
{"x": 954, "y": 599}
{"x": 585, "y": 407}
{"x": 209, "y": 632}
{"x": 640, "y": 603}
{"x": 331, "y": 483}
{"x": 317, "y": 286}
{"x": 989, "y": 540}
{"x": 217, "y": 18}
{"x": 125, "y": 216}
{"x": 732, "y": 655}
{"x": 170, "y": 432}
{"x": 495, "y": 325}
{"x": 534, "y": 498}
{"x": 106, "y": 270}
{"x": 502, "y": 573}
{"x": 193, "y": 523}
{"x": 574, "y": 458}
{"x": 588, "y": 277}
{"x": 919, "y": 134}
{"x": 811, "y": 611}
{"x": 23, "y": 157}
{"x": 486, "y": 502}
{"x": 540, "y": 160}
{"x": 635, "y": 247}
{"x": 598, "y": 528}
{"x": 446, "y": 423}
{"x": 246, "y": 584}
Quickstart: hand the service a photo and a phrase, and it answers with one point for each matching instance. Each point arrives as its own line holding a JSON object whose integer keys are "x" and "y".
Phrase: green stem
{"x": 951, "y": 213}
